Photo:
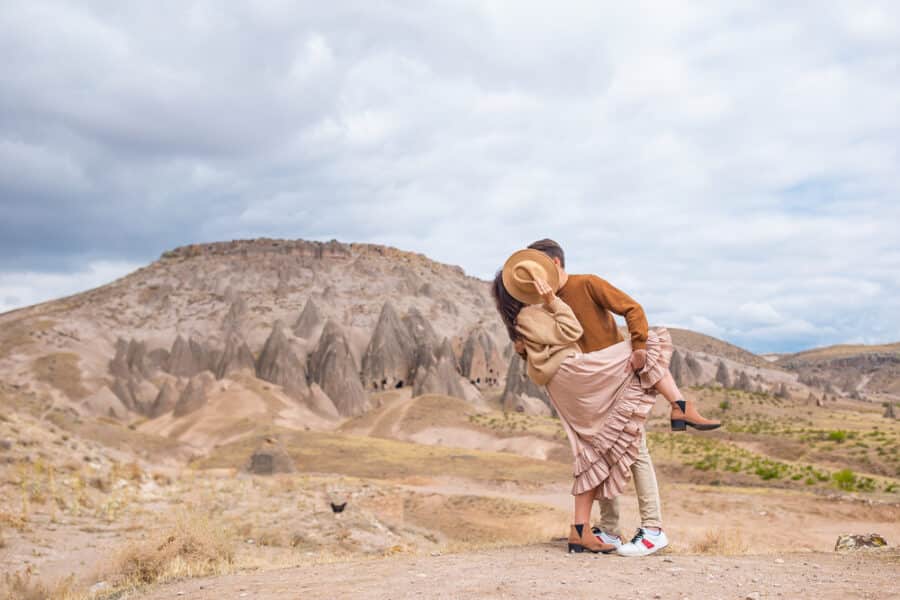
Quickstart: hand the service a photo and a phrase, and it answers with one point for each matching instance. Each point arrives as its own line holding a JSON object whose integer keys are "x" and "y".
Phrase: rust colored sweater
{"x": 593, "y": 300}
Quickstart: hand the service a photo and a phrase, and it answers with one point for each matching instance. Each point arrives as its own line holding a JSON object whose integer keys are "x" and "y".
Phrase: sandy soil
{"x": 544, "y": 571}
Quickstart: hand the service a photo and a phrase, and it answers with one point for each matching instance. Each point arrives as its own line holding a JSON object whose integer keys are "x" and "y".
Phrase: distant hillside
{"x": 840, "y": 351}
{"x": 698, "y": 342}
{"x": 858, "y": 370}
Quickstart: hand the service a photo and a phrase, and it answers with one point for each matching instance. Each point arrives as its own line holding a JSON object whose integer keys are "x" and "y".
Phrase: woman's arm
{"x": 552, "y": 324}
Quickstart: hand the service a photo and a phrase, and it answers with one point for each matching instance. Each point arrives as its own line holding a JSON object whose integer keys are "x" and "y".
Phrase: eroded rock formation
{"x": 331, "y": 365}
{"x": 389, "y": 359}
{"x": 521, "y": 394}
{"x": 480, "y": 360}
{"x": 195, "y": 395}
{"x": 279, "y": 364}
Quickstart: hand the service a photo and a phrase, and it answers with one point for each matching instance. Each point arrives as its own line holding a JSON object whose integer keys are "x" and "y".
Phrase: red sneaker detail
{"x": 647, "y": 543}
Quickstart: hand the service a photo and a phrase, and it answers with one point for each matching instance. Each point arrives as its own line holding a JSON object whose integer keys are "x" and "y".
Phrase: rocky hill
{"x": 326, "y": 324}
{"x": 859, "y": 371}
{"x": 213, "y": 339}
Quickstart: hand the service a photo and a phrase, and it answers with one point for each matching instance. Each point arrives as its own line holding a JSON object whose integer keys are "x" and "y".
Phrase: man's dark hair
{"x": 551, "y": 249}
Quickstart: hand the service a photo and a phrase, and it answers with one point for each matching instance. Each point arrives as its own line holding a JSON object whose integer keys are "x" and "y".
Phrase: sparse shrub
{"x": 725, "y": 404}
{"x": 767, "y": 472}
{"x": 720, "y": 542}
{"x": 193, "y": 548}
{"x": 19, "y": 586}
{"x": 837, "y": 436}
{"x": 845, "y": 479}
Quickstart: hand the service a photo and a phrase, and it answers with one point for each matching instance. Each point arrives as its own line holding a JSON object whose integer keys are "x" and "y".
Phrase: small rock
{"x": 779, "y": 561}
{"x": 668, "y": 560}
{"x": 98, "y": 587}
{"x": 752, "y": 596}
{"x": 856, "y": 542}
{"x": 5, "y": 445}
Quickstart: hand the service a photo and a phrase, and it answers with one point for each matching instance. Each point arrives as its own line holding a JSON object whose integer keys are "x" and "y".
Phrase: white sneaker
{"x": 607, "y": 538}
{"x": 644, "y": 543}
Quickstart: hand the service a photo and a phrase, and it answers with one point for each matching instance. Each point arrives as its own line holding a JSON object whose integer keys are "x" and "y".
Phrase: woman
{"x": 601, "y": 401}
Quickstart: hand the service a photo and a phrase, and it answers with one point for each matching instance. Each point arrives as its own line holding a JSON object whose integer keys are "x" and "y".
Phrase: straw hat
{"x": 522, "y": 268}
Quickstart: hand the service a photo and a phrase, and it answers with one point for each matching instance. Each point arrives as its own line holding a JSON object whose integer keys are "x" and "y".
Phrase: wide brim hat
{"x": 522, "y": 268}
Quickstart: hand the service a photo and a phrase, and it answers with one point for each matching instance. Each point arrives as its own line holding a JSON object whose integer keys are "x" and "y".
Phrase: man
{"x": 594, "y": 300}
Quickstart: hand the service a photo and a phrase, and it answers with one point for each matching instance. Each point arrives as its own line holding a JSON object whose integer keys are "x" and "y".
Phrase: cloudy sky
{"x": 734, "y": 166}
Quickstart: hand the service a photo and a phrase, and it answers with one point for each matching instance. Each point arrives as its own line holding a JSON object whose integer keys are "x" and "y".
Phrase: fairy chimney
{"x": 441, "y": 377}
{"x": 279, "y": 364}
{"x": 389, "y": 358}
{"x": 331, "y": 365}
{"x": 425, "y": 340}
{"x": 187, "y": 358}
{"x": 235, "y": 357}
{"x": 521, "y": 394}
{"x": 309, "y": 323}
{"x": 195, "y": 395}
{"x": 480, "y": 360}
{"x": 165, "y": 400}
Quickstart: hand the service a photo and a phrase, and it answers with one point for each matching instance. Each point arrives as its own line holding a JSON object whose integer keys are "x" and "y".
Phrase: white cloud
{"x": 733, "y": 166}
{"x": 27, "y": 288}
{"x": 760, "y": 312}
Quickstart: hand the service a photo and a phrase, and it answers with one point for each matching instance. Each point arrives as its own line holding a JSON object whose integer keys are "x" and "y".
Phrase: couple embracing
{"x": 601, "y": 385}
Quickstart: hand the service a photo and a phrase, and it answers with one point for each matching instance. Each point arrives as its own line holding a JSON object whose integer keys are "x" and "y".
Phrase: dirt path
{"x": 545, "y": 571}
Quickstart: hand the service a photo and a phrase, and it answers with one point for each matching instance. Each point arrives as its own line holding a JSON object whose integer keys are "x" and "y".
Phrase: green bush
{"x": 845, "y": 479}
{"x": 767, "y": 472}
{"x": 837, "y": 436}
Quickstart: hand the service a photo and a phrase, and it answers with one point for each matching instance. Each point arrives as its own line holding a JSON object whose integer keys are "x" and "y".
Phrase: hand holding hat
{"x": 543, "y": 288}
{"x": 530, "y": 276}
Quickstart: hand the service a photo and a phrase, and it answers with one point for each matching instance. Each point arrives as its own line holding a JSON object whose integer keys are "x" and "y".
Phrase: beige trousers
{"x": 647, "y": 495}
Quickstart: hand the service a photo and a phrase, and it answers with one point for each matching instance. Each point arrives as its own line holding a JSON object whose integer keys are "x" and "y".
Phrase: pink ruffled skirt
{"x": 603, "y": 406}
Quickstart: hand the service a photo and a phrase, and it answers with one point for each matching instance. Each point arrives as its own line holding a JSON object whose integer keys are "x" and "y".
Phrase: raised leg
{"x": 684, "y": 413}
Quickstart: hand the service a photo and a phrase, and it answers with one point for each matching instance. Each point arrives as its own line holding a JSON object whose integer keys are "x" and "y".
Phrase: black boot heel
{"x": 679, "y": 425}
{"x": 576, "y": 548}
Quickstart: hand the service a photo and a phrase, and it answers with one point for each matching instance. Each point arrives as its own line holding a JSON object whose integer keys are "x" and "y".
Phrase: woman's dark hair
{"x": 507, "y": 306}
{"x": 551, "y": 249}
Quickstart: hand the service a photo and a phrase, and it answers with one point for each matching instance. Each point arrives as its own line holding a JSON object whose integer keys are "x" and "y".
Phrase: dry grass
{"x": 16, "y": 335}
{"x": 194, "y": 547}
{"x": 23, "y": 586}
{"x": 721, "y": 542}
{"x": 60, "y": 370}
{"x": 472, "y": 522}
{"x": 357, "y": 456}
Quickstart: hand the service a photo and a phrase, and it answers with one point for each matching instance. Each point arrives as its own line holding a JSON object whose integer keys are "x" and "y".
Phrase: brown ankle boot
{"x": 585, "y": 540}
{"x": 685, "y": 413}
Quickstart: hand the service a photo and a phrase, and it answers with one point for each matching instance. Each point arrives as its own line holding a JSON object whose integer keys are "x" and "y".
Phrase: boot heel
{"x": 679, "y": 425}
{"x": 576, "y": 548}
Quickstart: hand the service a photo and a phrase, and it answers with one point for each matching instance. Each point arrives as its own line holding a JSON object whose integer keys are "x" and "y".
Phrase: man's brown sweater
{"x": 593, "y": 300}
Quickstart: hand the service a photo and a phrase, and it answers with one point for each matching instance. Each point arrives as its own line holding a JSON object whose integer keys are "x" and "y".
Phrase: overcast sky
{"x": 733, "y": 166}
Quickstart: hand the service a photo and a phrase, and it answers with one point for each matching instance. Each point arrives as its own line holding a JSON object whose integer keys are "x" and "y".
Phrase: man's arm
{"x": 612, "y": 298}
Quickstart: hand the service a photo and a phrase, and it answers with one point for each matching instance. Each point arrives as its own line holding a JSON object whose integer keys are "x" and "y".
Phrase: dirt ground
{"x": 545, "y": 571}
